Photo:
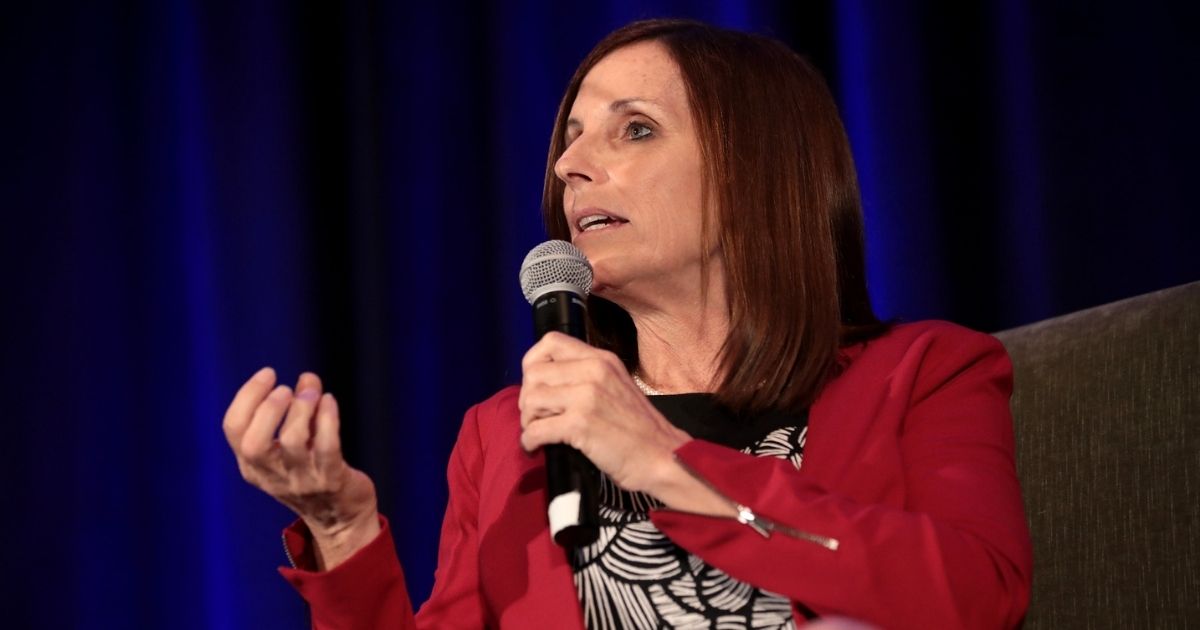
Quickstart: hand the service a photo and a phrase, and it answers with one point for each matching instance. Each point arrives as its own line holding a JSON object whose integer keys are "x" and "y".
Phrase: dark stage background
{"x": 192, "y": 190}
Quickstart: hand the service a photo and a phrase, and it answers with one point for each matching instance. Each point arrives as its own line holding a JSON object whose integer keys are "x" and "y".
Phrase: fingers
{"x": 555, "y": 346}
{"x": 566, "y": 428}
{"x": 308, "y": 380}
{"x": 557, "y": 361}
{"x": 326, "y": 444}
{"x": 296, "y": 433}
{"x": 260, "y": 435}
{"x": 540, "y": 377}
{"x": 254, "y": 418}
{"x": 591, "y": 369}
{"x": 539, "y": 401}
{"x": 247, "y": 399}
{"x": 296, "y": 430}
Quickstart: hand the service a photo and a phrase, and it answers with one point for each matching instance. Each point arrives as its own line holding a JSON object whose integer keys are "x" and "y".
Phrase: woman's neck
{"x": 679, "y": 343}
{"x": 677, "y": 356}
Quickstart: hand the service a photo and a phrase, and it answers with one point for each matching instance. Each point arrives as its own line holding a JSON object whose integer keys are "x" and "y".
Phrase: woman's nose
{"x": 577, "y": 164}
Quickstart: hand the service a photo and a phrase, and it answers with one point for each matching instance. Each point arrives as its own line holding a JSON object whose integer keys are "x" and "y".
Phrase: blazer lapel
{"x": 526, "y": 577}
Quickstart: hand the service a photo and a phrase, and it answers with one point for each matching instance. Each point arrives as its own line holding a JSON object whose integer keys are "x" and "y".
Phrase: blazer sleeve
{"x": 956, "y": 554}
{"x": 368, "y": 589}
{"x": 365, "y": 591}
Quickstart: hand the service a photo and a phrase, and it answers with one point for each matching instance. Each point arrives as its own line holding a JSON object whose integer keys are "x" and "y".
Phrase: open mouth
{"x": 593, "y": 222}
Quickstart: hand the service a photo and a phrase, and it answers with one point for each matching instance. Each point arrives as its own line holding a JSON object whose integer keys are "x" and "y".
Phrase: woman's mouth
{"x": 593, "y": 222}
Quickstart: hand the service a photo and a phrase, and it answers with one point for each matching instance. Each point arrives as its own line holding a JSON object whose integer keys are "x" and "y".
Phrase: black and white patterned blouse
{"x": 635, "y": 577}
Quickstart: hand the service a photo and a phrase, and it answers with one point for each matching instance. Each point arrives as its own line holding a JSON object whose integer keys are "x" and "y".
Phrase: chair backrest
{"x": 1107, "y": 418}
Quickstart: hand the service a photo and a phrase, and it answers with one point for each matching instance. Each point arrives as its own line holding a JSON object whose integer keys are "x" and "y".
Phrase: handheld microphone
{"x": 556, "y": 279}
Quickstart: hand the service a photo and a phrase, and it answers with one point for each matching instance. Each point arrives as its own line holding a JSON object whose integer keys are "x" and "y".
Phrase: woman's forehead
{"x": 642, "y": 72}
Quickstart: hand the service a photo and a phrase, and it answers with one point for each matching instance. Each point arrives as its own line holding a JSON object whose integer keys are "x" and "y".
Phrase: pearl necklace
{"x": 646, "y": 389}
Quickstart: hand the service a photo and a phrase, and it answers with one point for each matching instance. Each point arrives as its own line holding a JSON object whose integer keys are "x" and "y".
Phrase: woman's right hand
{"x": 303, "y": 468}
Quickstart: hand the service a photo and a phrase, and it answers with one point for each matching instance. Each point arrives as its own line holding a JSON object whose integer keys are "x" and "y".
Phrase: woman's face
{"x": 632, "y": 169}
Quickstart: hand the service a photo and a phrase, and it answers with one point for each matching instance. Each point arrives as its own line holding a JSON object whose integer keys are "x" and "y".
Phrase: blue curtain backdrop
{"x": 192, "y": 190}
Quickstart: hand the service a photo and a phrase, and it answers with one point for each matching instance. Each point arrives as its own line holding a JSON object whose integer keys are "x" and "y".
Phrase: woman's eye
{"x": 637, "y": 131}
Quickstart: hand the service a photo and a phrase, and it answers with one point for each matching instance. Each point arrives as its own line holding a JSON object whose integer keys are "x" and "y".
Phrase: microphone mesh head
{"x": 557, "y": 266}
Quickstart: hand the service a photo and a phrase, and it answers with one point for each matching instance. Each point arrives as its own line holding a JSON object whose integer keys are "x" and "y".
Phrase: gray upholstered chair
{"x": 1107, "y": 418}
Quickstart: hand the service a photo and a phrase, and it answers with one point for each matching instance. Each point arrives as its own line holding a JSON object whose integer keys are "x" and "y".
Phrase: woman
{"x": 771, "y": 451}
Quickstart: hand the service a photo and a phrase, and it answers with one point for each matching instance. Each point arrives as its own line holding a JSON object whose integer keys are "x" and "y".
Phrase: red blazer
{"x": 908, "y": 465}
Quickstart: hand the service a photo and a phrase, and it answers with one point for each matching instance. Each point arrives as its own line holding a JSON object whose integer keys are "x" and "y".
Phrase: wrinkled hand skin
{"x": 303, "y": 467}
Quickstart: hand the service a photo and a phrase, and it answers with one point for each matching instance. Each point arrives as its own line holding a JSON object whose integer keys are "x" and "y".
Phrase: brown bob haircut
{"x": 780, "y": 178}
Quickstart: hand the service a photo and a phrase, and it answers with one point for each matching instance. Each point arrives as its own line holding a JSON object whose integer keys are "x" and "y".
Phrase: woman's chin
{"x": 621, "y": 279}
{"x": 605, "y": 285}
{"x": 602, "y": 288}
{"x": 611, "y": 289}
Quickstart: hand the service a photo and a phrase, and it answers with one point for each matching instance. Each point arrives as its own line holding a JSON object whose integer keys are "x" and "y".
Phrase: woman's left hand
{"x": 575, "y": 394}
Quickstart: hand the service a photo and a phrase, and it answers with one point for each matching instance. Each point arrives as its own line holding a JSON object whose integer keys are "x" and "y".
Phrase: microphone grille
{"x": 555, "y": 265}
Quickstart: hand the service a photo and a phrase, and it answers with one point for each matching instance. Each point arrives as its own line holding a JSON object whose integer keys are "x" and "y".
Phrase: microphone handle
{"x": 572, "y": 481}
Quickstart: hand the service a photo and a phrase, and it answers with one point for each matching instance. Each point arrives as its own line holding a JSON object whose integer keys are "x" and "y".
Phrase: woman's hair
{"x": 780, "y": 179}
